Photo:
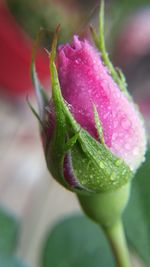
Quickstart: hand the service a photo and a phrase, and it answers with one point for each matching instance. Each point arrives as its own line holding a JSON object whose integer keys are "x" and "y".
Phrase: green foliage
{"x": 137, "y": 215}
{"x": 32, "y": 15}
{"x": 127, "y": 5}
{"x": 8, "y": 232}
{"x": 10, "y": 261}
{"x": 76, "y": 242}
{"x": 9, "y": 227}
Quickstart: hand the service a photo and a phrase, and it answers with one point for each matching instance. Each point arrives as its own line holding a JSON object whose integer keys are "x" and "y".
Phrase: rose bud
{"x": 93, "y": 134}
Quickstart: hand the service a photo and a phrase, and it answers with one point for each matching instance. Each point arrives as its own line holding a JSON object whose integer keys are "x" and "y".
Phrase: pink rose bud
{"x": 85, "y": 81}
{"x": 93, "y": 134}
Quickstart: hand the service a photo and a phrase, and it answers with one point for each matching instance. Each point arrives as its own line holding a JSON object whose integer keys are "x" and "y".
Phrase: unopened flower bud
{"x": 93, "y": 134}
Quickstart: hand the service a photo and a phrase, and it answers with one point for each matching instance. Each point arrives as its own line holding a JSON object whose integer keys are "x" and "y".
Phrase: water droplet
{"x": 135, "y": 152}
{"x": 114, "y": 137}
{"x": 106, "y": 115}
{"x": 113, "y": 176}
{"x": 125, "y": 123}
{"x": 118, "y": 162}
{"x": 97, "y": 180}
{"x": 118, "y": 95}
{"x": 108, "y": 171}
{"x": 124, "y": 171}
{"x": 127, "y": 146}
{"x": 76, "y": 61}
{"x": 102, "y": 165}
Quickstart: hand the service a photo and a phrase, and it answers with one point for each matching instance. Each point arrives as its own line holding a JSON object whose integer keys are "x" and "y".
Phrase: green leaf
{"x": 11, "y": 261}
{"x": 76, "y": 242}
{"x": 137, "y": 214}
{"x": 9, "y": 227}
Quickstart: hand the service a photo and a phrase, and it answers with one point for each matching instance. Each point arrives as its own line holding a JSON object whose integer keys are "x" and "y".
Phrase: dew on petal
{"x": 135, "y": 151}
{"x": 125, "y": 123}
{"x": 127, "y": 146}
{"x": 85, "y": 80}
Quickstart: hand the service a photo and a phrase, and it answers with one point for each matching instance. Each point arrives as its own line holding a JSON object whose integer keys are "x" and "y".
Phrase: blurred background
{"x": 26, "y": 188}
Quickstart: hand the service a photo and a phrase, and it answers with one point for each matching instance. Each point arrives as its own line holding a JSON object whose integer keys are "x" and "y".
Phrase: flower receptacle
{"x": 106, "y": 208}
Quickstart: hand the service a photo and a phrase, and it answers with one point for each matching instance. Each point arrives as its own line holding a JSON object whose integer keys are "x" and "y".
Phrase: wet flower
{"x": 93, "y": 133}
{"x": 85, "y": 81}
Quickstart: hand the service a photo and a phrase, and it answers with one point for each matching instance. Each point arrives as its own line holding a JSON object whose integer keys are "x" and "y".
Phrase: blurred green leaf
{"x": 9, "y": 228}
{"x": 137, "y": 214}
{"x": 10, "y": 262}
{"x": 128, "y": 5}
{"x": 8, "y": 231}
{"x": 77, "y": 242}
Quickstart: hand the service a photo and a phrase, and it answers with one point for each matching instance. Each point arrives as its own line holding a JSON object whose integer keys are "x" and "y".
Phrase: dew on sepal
{"x": 118, "y": 162}
{"x": 112, "y": 176}
{"x": 102, "y": 165}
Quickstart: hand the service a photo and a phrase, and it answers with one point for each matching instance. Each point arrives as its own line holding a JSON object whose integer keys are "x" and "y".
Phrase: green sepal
{"x": 95, "y": 167}
{"x": 116, "y": 73}
{"x": 71, "y": 142}
{"x": 56, "y": 146}
{"x": 35, "y": 113}
{"x": 94, "y": 36}
{"x": 98, "y": 125}
{"x": 42, "y": 101}
{"x": 42, "y": 98}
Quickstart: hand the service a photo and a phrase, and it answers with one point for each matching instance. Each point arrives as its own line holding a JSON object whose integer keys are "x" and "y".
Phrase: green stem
{"x": 116, "y": 237}
{"x": 106, "y": 209}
